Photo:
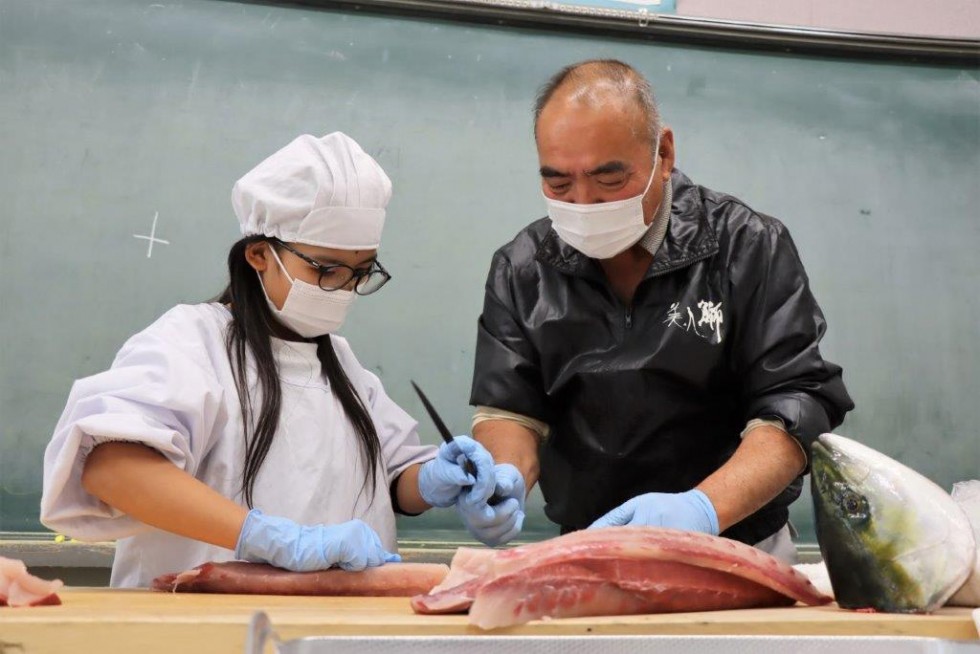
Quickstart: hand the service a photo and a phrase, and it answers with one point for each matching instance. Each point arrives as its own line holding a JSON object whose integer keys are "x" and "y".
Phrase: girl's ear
{"x": 257, "y": 255}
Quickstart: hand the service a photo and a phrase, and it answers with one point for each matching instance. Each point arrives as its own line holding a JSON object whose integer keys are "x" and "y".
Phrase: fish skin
{"x": 893, "y": 541}
{"x": 967, "y": 495}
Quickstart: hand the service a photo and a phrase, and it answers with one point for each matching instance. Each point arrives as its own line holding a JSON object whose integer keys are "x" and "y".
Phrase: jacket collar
{"x": 689, "y": 238}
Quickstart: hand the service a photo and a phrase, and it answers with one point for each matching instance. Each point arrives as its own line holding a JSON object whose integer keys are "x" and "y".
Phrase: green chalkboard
{"x": 116, "y": 113}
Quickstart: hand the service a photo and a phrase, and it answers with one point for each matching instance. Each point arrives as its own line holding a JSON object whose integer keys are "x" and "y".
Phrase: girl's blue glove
{"x": 351, "y": 545}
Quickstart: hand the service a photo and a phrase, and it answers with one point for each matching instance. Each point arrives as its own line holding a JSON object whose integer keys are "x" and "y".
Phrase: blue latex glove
{"x": 691, "y": 511}
{"x": 351, "y": 545}
{"x": 442, "y": 479}
{"x": 495, "y": 525}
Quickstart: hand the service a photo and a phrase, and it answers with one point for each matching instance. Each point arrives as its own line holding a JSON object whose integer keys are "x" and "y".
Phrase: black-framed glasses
{"x": 336, "y": 276}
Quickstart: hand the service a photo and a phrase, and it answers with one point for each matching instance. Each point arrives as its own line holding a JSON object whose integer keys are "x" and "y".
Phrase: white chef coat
{"x": 171, "y": 388}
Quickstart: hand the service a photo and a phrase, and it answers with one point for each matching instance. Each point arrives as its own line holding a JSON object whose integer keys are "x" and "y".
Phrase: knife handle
{"x": 470, "y": 469}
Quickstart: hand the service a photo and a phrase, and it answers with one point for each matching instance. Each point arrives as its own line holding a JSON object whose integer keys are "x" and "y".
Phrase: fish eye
{"x": 855, "y": 506}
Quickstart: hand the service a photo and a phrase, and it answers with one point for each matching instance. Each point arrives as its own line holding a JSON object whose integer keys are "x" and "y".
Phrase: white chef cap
{"x": 321, "y": 191}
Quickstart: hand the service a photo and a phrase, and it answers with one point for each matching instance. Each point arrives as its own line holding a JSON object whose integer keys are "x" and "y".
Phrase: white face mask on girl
{"x": 309, "y": 310}
{"x": 600, "y": 230}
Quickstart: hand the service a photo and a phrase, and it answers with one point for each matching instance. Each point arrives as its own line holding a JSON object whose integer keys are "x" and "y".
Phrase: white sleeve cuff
{"x": 778, "y": 424}
{"x": 762, "y": 422}
{"x": 484, "y": 413}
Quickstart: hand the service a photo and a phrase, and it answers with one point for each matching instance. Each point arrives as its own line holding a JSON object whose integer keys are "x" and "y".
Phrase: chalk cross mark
{"x": 152, "y": 237}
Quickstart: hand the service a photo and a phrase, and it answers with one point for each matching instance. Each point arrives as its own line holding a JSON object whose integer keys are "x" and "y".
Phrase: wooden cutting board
{"x": 112, "y": 620}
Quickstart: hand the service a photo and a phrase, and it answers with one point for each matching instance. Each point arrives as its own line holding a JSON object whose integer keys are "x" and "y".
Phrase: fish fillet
{"x": 239, "y": 577}
{"x": 468, "y": 563}
{"x": 18, "y": 587}
{"x": 618, "y": 571}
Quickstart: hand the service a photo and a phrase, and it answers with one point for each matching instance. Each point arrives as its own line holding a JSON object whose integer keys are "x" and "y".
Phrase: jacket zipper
{"x": 629, "y": 316}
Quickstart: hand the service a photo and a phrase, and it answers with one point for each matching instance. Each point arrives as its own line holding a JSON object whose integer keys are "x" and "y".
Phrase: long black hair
{"x": 251, "y": 328}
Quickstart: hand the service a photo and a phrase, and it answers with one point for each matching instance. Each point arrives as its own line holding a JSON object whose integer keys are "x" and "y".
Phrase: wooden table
{"x": 112, "y": 620}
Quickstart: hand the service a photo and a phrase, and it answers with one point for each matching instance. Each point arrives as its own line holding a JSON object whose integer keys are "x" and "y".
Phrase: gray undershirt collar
{"x": 654, "y": 236}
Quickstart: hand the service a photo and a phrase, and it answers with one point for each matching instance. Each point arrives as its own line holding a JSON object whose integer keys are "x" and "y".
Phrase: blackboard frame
{"x": 672, "y": 28}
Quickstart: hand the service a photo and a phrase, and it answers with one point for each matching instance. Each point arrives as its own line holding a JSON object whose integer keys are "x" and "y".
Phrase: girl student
{"x": 245, "y": 428}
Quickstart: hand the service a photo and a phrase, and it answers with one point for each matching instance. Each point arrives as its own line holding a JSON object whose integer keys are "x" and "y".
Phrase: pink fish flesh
{"x": 18, "y": 587}
{"x": 468, "y": 563}
{"x": 239, "y": 577}
{"x": 619, "y": 571}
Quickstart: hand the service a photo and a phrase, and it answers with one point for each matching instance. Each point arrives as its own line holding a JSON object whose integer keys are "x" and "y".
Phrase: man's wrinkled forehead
{"x": 583, "y": 140}
{"x": 615, "y": 166}
{"x": 590, "y": 145}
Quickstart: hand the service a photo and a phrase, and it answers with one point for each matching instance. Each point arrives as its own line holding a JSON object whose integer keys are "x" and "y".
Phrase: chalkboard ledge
{"x": 46, "y": 554}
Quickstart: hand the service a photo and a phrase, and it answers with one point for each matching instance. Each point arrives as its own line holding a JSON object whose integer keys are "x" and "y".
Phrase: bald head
{"x": 605, "y": 85}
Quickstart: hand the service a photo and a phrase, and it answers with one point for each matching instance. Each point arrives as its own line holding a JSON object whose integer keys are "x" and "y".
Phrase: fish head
{"x": 892, "y": 540}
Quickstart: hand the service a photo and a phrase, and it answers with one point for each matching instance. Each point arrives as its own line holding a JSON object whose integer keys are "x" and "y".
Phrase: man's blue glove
{"x": 495, "y": 525}
{"x": 691, "y": 511}
{"x": 442, "y": 479}
{"x": 351, "y": 545}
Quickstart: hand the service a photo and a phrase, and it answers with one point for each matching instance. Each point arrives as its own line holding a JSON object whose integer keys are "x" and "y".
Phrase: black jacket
{"x": 652, "y": 397}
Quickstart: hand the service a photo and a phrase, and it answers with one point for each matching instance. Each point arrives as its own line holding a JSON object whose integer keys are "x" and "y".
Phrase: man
{"x": 649, "y": 352}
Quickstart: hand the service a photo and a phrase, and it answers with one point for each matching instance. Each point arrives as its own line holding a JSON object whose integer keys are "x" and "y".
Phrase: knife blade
{"x": 447, "y": 436}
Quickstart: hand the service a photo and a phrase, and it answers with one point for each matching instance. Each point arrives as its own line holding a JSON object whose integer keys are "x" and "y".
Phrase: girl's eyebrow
{"x": 327, "y": 261}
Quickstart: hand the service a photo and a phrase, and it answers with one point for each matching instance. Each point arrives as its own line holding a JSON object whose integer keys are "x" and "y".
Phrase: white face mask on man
{"x": 309, "y": 310}
{"x": 601, "y": 230}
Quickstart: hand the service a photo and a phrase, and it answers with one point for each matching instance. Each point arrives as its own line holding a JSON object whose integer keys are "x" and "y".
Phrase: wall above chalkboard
{"x": 655, "y": 20}
{"x": 124, "y": 124}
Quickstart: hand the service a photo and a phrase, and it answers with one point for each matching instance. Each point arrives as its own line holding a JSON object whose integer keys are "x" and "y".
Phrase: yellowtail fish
{"x": 892, "y": 540}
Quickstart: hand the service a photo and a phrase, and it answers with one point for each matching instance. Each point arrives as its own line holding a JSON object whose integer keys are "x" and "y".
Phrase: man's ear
{"x": 666, "y": 152}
